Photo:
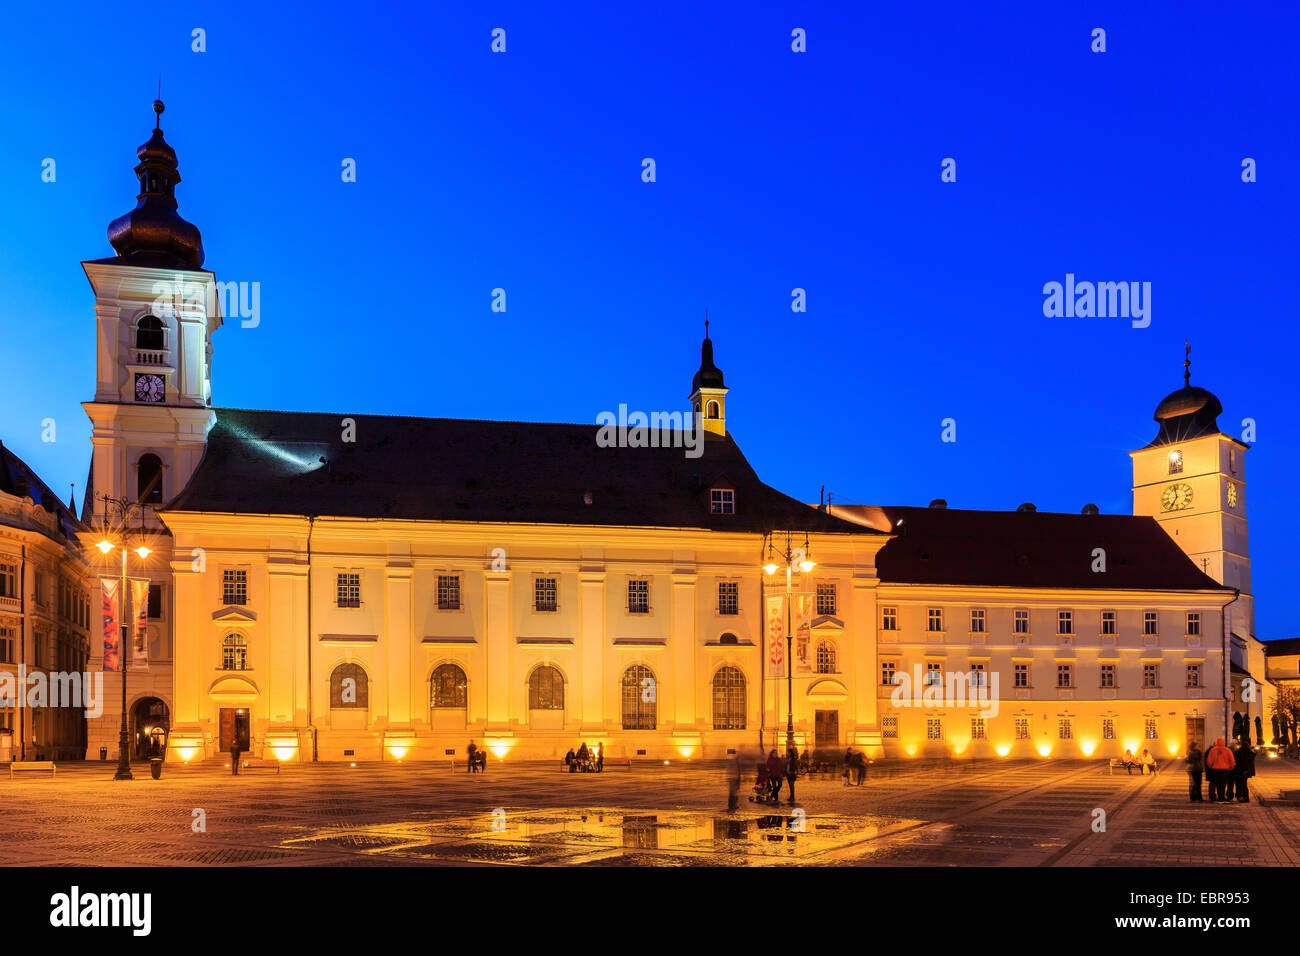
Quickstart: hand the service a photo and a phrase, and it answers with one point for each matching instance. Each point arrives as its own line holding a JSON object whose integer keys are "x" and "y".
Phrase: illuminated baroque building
{"x": 361, "y": 587}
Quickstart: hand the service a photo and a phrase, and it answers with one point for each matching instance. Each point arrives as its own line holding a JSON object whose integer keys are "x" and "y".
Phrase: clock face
{"x": 149, "y": 387}
{"x": 1232, "y": 495}
{"x": 1176, "y": 497}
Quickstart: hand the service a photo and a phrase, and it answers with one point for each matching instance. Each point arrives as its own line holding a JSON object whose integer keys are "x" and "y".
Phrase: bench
{"x": 17, "y": 766}
{"x": 624, "y": 764}
{"x": 252, "y": 763}
{"x": 1117, "y": 763}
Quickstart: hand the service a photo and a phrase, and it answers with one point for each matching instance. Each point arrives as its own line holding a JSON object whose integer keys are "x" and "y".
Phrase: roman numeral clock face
{"x": 149, "y": 388}
{"x": 1176, "y": 497}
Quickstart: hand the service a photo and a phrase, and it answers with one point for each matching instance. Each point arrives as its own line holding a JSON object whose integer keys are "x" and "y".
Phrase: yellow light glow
{"x": 910, "y": 750}
{"x": 284, "y": 753}
{"x": 1087, "y": 746}
{"x": 105, "y": 546}
{"x": 1174, "y": 747}
{"x": 187, "y": 753}
{"x": 806, "y": 566}
{"x": 397, "y": 751}
{"x": 1045, "y": 749}
{"x": 685, "y": 750}
{"x": 770, "y": 568}
{"x": 1003, "y": 749}
{"x": 143, "y": 552}
{"x": 354, "y": 765}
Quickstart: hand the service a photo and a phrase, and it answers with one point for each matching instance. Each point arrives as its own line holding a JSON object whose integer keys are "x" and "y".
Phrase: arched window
{"x": 545, "y": 689}
{"x": 728, "y": 639}
{"x": 640, "y": 698}
{"x": 448, "y": 687}
{"x": 825, "y": 658}
{"x": 148, "y": 479}
{"x": 234, "y": 653}
{"x": 349, "y": 687}
{"x": 728, "y": 699}
{"x": 712, "y": 410}
{"x": 150, "y": 334}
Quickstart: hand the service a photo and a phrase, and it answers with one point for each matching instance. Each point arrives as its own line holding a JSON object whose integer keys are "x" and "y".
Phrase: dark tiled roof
{"x": 15, "y": 473}
{"x": 1282, "y": 648}
{"x": 1026, "y": 549}
{"x": 441, "y": 469}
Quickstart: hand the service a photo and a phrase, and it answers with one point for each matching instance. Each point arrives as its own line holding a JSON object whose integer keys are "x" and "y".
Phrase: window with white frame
{"x": 826, "y": 600}
{"x": 1108, "y": 728}
{"x": 888, "y": 618}
{"x": 978, "y": 729}
{"x": 728, "y": 597}
{"x": 977, "y": 620}
{"x": 935, "y": 619}
{"x": 234, "y": 586}
{"x": 449, "y": 592}
{"x": 1108, "y": 675}
{"x": 887, "y": 671}
{"x": 1021, "y": 673}
{"x": 934, "y": 728}
{"x": 1108, "y": 622}
{"x": 234, "y": 653}
{"x": 722, "y": 501}
{"x": 1064, "y": 728}
{"x": 933, "y": 674}
{"x": 1193, "y": 623}
{"x": 1150, "y": 622}
{"x": 1020, "y": 620}
{"x": 348, "y": 588}
{"x": 1193, "y": 675}
{"x": 638, "y": 596}
{"x": 1150, "y": 675}
{"x": 546, "y": 594}
{"x": 826, "y": 658}
{"x": 889, "y": 726}
{"x": 978, "y": 678}
{"x": 1064, "y": 622}
{"x": 1151, "y": 728}
{"x": 1064, "y": 675}
{"x": 1022, "y": 728}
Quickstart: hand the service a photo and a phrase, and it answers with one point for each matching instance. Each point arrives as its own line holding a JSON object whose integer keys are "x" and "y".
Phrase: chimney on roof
{"x": 1091, "y": 509}
{"x": 939, "y": 503}
{"x": 1027, "y": 508}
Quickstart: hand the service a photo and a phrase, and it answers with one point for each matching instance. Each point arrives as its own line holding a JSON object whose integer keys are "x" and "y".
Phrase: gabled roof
{"x": 16, "y": 473}
{"x": 442, "y": 469}
{"x": 1027, "y": 549}
{"x": 1284, "y": 647}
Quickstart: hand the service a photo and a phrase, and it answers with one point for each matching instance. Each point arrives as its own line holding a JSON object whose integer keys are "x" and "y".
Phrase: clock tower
{"x": 1192, "y": 479}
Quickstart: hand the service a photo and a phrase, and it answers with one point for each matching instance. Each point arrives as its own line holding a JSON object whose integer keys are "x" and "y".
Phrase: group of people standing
{"x": 855, "y": 767}
{"x": 771, "y": 773}
{"x": 477, "y": 758}
{"x": 588, "y": 760}
{"x": 1226, "y": 771}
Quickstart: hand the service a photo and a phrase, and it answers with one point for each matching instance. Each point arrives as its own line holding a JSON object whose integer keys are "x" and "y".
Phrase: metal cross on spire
{"x": 1187, "y": 364}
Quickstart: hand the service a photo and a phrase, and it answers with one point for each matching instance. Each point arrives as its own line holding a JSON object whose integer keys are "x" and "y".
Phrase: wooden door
{"x": 826, "y": 729}
{"x": 1196, "y": 731}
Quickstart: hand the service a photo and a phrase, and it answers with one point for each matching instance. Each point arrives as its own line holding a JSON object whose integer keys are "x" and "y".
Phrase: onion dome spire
{"x": 709, "y": 375}
{"x": 153, "y": 233}
{"x": 1190, "y": 412}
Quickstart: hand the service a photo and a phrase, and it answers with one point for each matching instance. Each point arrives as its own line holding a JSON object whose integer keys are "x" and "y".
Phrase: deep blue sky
{"x": 775, "y": 170}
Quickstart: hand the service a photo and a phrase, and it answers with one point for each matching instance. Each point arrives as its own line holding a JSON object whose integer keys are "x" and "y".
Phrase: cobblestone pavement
{"x": 910, "y": 814}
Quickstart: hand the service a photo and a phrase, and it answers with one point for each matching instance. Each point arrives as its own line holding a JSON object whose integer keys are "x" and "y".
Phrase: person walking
{"x": 1195, "y": 766}
{"x": 571, "y": 761}
{"x": 791, "y": 770}
{"x": 472, "y": 763}
{"x": 600, "y": 757}
{"x": 1218, "y": 764}
{"x": 1243, "y": 770}
{"x": 775, "y": 771}
{"x": 234, "y": 756}
{"x": 848, "y": 766}
{"x": 733, "y": 783}
{"x": 861, "y": 769}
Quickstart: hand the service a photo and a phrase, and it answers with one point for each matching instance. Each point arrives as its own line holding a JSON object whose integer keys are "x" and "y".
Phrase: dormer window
{"x": 722, "y": 501}
{"x": 150, "y": 334}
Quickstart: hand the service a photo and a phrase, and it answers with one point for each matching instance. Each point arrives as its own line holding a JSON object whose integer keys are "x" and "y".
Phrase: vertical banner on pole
{"x": 776, "y": 634}
{"x": 110, "y": 589}
{"x": 803, "y": 604}
{"x": 140, "y": 638}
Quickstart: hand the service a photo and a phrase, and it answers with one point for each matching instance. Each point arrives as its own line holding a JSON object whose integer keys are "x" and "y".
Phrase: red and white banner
{"x": 110, "y": 589}
{"x": 802, "y": 609}
{"x": 776, "y": 634}
{"x": 140, "y": 641}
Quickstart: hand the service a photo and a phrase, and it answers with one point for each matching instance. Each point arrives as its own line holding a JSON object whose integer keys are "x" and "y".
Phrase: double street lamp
{"x": 106, "y": 545}
{"x": 792, "y": 558}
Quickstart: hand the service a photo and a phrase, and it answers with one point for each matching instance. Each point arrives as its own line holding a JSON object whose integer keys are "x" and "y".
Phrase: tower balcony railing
{"x": 150, "y": 358}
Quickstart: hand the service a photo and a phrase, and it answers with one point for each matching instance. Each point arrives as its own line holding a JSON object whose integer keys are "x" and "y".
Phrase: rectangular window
{"x": 887, "y": 671}
{"x": 449, "y": 592}
{"x": 1064, "y": 675}
{"x": 1107, "y": 728}
{"x": 546, "y": 594}
{"x": 889, "y": 727}
{"x": 1064, "y": 622}
{"x": 934, "y": 728}
{"x": 977, "y": 675}
{"x": 1151, "y": 729}
{"x": 1021, "y": 620}
{"x": 234, "y": 587}
{"x": 1175, "y": 463}
{"x": 1193, "y": 675}
{"x": 155, "y": 602}
{"x": 1150, "y": 675}
{"x": 977, "y": 729}
{"x": 1107, "y": 675}
{"x": 638, "y": 596}
{"x": 728, "y": 597}
{"x": 1022, "y": 728}
{"x": 826, "y": 600}
{"x": 7, "y": 645}
{"x": 722, "y": 501}
{"x": 1022, "y": 675}
{"x": 1193, "y": 623}
{"x": 1064, "y": 729}
{"x": 933, "y": 674}
{"x": 1151, "y": 622}
{"x": 935, "y": 619}
{"x": 977, "y": 620}
{"x": 8, "y": 580}
{"x": 1108, "y": 622}
{"x": 348, "y": 588}
{"x": 889, "y": 618}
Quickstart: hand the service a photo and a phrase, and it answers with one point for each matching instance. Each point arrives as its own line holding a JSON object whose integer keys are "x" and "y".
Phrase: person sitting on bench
{"x": 1128, "y": 761}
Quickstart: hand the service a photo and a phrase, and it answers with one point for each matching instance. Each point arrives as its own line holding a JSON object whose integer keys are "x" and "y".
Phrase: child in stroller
{"x": 763, "y": 790}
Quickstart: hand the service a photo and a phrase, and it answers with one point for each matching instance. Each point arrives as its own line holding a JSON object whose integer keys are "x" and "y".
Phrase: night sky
{"x": 776, "y": 170}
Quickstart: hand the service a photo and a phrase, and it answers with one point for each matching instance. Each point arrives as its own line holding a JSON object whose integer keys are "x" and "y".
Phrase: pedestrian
{"x": 571, "y": 761}
{"x": 584, "y": 758}
{"x": 1243, "y": 770}
{"x": 733, "y": 782}
{"x": 848, "y": 765}
{"x": 1148, "y": 763}
{"x": 472, "y": 763}
{"x": 861, "y": 767}
{"x": 1218, "y": 764}
{"x": 482, "y": 760}
{"x": 1195, "y": 766}
{"x": 234, "y": 756}
{"x": 600, "y": 758}
{"x": 775, "y": 771}
{"x": 791, "y": 770}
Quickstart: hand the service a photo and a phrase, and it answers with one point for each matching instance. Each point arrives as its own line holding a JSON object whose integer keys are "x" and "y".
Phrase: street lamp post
{"x": 105, "y": 546}
{"x": 791, "y": 557}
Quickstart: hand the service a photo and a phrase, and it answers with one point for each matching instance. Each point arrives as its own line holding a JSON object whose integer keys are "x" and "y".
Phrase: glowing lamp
{"x": 284, "y": 753}
{"x": 910, "y": 749}
{"x": 1045, "y": 749}
{"x": 770, "y": 568}
{"x": 685, "y": 750}
{"x": 1087, "y": 746}
{"x": 397, "y": 751}
{"x": 1003, "y": 749}
{"x": 805, "y": 565}
{"x": 105, "y": 547}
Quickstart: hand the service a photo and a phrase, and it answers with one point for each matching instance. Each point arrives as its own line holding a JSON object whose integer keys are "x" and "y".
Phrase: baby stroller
{"x": 762, "y": 787}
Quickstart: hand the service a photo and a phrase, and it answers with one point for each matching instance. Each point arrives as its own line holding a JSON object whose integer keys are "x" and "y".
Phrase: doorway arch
{"x": 150, "y": 722}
